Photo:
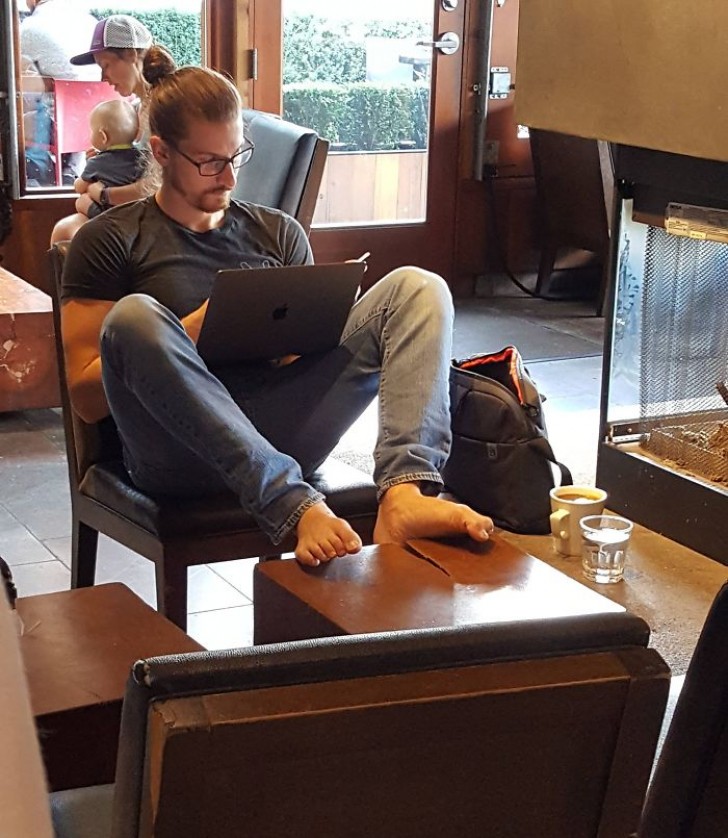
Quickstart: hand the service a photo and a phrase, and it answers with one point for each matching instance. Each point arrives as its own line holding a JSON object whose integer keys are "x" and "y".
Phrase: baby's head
{"x": 113, "y": 123}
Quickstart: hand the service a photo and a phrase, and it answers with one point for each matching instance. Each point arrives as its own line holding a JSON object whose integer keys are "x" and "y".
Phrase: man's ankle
{"x": 401, "y": 492}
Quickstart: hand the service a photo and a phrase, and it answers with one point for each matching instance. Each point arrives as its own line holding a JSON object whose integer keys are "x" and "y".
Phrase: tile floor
{"x": 561, "y": 341}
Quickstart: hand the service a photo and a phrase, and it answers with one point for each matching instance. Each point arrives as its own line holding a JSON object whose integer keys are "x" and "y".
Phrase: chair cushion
{"x": 349, "y": 492}
{"x": 82, "y": 813}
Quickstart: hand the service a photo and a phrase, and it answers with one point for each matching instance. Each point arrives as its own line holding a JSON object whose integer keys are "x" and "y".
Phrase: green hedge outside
{"x": 326, "y": 50}
{"x": 317, "y": 49}
{"x": 361, "y": 116}
{"x": 324, "y": 84}
{"x": 179, "y": 32}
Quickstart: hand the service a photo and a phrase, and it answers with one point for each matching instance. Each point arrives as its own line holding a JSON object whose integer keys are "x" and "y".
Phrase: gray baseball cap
{"x": 117, "y": 32}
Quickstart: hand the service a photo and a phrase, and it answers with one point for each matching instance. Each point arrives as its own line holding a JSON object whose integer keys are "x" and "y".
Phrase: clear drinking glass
{"x": 605, "y": 541}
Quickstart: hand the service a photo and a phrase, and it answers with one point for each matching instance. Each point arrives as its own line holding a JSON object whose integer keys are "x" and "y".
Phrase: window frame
{"x": 11, "y": 128}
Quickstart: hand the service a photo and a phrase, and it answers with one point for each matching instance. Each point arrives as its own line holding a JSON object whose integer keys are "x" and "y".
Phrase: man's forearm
{"x": 130, "y": 192}
{"x": 87, "y": 394}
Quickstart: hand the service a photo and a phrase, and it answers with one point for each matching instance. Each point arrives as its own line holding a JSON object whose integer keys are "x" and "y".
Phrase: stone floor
{"x": 668, "y": 585}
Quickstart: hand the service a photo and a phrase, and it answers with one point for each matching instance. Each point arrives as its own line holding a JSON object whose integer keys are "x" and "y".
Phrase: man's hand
{"x": 283, "y": 361}
{"x": 363, "y": 258}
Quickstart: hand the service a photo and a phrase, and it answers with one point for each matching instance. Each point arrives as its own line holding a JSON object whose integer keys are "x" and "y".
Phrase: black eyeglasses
{"x": 215, "y": 166}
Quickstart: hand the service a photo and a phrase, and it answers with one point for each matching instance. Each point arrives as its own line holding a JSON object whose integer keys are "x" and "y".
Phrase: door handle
{"x": 447, "y": 44}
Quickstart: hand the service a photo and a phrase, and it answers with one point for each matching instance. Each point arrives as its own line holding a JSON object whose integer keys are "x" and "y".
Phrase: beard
{"x": 213, "y": 200}
{"x": 210, "y": 200}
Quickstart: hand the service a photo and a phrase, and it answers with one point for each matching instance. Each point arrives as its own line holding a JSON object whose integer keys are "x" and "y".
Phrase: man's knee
{"x": 66, "y": 228}
{"x": 421, "y": 285}
{"x": 132, "y": 318}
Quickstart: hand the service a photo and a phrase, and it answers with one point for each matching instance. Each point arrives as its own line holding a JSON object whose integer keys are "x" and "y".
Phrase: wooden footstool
{"x": 28, "y": 371}
{"x": 78, "y": 648}
{"x": 427, "y": 584}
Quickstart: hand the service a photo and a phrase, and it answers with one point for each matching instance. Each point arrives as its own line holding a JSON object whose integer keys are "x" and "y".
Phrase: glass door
{"x": 381, "y": 81}
{"x": 361, "y": 76}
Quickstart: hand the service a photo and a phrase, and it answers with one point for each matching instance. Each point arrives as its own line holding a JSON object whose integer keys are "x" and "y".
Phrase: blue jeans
{"x": 260, "y": 430}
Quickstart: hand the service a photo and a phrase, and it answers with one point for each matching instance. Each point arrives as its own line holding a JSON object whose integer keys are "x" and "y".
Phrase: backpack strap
{"x": 543, "y": 446}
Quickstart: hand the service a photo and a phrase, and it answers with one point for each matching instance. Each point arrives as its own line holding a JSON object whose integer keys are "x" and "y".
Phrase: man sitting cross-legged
{"x": 135, "y": 286}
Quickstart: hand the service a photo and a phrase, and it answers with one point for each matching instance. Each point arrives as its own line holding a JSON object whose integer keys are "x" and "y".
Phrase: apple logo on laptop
{"x": 280, "y": 312}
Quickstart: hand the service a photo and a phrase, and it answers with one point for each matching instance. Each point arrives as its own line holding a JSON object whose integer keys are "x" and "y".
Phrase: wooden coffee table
{"x": 78, "y": 648}
{"x": 427, "y": 584}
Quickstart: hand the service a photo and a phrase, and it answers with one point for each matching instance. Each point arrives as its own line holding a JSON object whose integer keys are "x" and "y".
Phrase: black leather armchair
{"x": 510, "y": 729}
{"x": 173, "y": 533}
{"x": 687, "y": 795}
{"x": 286, "y": 169}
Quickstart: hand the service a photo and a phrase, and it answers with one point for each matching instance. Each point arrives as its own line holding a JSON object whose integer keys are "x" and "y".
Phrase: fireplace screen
{"x": 684, "y": 359}
{"x": 670, "y": 356}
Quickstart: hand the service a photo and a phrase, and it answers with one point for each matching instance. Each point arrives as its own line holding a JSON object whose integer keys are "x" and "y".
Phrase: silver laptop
{"x": 265, "y": 313}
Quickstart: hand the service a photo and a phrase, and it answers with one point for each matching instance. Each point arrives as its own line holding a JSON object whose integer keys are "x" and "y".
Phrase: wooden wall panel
{"x": 226, "y": 40}
{"x": 24, "y": 252}
{"x": 513, "y": 201}
{"x": 399, "y": 179}
{"x": 510, "y": 195}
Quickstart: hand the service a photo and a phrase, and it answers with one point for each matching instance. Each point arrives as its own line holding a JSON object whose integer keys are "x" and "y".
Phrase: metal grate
{"x": 684, "y": 352}
{"x": 701, "y": 447}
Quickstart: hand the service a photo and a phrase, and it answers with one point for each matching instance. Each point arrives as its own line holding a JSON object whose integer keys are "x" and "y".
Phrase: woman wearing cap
{"x": 131, "y": 63}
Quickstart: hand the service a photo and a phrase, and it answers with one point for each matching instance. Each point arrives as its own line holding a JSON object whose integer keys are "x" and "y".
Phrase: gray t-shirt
{"x": 136, "y": 248}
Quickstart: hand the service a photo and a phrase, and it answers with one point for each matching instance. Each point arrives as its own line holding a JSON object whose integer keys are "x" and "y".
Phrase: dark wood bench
{"x": 78, "y": 648}
{"x": 28, "y": 371}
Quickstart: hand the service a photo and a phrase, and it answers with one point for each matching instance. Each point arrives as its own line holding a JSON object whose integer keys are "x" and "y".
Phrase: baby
{"x": 114, "y": 127}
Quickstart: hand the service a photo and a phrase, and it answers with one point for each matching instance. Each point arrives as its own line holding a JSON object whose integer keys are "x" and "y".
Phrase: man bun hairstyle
{"x": 188, "y": 94}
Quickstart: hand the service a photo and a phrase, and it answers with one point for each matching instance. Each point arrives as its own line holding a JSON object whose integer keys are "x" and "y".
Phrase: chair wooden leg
{"x": 84, "y": 544}
{"x": 171, "y": 580}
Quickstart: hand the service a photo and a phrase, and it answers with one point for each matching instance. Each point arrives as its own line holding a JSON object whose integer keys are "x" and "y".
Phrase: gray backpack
{"x": 501, "y": 462}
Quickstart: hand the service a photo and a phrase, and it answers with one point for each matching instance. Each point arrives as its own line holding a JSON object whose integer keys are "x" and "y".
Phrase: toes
{"x": 342, "y": 545}
{"x": 336, "y": 547}
{"x": 478, "y": 527}
{"x": 312, "y": 554}
{"x": 306, "y": 557}
{"x": 323, "y": 552}
{"x": 478, "y": 532}
{"x": 329, "y": 551}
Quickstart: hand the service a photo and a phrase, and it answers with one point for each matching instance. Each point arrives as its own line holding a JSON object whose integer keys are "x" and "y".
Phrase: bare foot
{"x": 322, "y": 536}
{"x": 404, "y": 512}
